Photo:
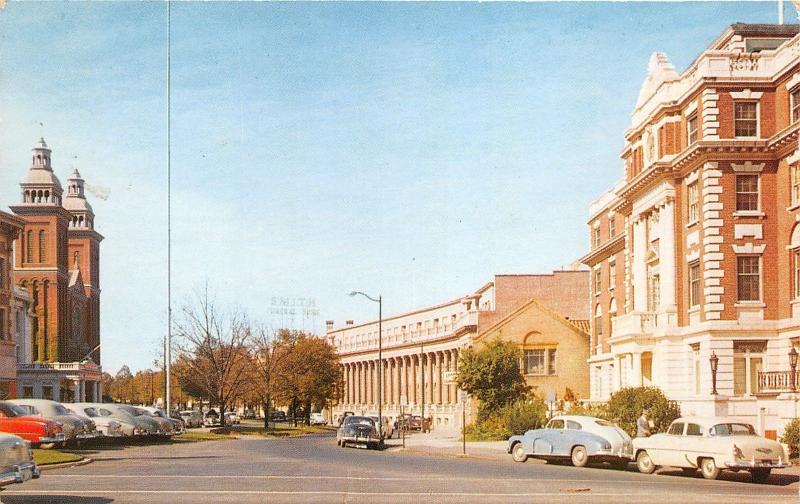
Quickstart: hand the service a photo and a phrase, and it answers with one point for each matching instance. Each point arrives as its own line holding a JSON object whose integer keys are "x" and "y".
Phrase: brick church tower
{"x": 57, "y": 261}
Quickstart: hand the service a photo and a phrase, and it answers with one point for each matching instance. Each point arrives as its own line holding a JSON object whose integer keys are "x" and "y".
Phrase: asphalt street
{"x": 314, "y": 469}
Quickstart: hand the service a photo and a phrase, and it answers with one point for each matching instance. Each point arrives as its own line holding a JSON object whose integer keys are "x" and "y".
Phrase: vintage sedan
{"x": 710, "y": 444}
{"x": 165, "y": 427}
{"x": 580, "y": 439}
{"x": 177, "y": 424}
{"x": 75, "y": 428}
{"x": 361, "y": 431}
{"x": 192, "y": 418}
{"x": 142, "y": 425}
{"x": 39, "y": 431}
{"x": 107, "y": 426}
{"x": 16, "y": 460}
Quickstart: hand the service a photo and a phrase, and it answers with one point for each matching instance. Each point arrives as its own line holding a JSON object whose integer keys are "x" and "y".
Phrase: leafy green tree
{"x": 626, "y": 405}
{"x": 791, "y": 436}
{"x": 492, "y": 375}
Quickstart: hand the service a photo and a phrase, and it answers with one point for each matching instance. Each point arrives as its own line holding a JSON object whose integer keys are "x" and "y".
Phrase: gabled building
{"x": 695, "y": 252}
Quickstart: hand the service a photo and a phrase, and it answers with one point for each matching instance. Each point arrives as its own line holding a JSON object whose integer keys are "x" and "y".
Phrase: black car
{"x": 360, "y": 431}
{"x": 278, "y": 416}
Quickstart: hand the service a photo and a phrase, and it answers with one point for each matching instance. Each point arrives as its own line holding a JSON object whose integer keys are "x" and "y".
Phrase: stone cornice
{"x": 608, "y": 247}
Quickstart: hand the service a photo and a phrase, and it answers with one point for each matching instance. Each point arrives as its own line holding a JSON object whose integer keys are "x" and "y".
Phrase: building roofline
{"x": 514, "y": 314}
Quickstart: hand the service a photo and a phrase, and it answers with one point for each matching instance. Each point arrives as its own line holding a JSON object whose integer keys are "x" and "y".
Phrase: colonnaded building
{"x": 57, "y": 296}
{"x": 696, "y": 250}
{"x": 547, "y": 315}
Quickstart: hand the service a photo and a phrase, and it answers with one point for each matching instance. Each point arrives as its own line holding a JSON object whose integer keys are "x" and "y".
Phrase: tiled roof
{"x": 583, "y": 325}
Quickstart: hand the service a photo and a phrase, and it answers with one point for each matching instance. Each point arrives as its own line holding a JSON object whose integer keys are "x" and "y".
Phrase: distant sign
{"x": 462, "y": 396}
{"x": 450, "y": 377}
{"x": 307, "y": 307}
{"x": 551, "y": 396}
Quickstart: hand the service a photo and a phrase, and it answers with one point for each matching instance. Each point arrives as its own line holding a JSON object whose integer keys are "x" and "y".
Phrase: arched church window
{"x": 41, "y": 246}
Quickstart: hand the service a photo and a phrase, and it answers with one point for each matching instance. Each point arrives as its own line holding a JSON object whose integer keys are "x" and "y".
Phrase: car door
{"x": 673, "y": 445}
{"x": 693, "y": 445}
{"x": 549, "y": 439}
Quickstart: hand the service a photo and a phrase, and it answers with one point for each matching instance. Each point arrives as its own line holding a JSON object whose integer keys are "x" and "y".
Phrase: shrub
{"x": 626, "y": 405}
{"x": 791, "y": 436}
{"x": 515, "y": 418}
{"x": 569, "y": 395}
{"x": 599, "y": 410}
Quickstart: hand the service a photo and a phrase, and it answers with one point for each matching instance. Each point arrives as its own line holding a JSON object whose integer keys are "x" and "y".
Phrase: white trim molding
{"x": 743, "y": 230}
{"x": 749, "y": 248}
{"x": 746, "y": 94}
{"x": 747, "y": 167}
{"x": 793, "y": 82}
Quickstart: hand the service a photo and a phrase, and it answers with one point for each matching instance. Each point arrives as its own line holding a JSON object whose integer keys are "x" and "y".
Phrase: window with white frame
{"x": 596, "y": 236}
{"x": 691, "y": 129}
{"x": 535, "y": 361}
{"x": 693, "y": 199}
{"x": 795, "y": 170}
{"x": 747, "y": 193}
{"x": 598, "y": 280}
{"x": 796, "y": 105}
{"x": 745, "y": 119}
{"x": 748, "y": 359}
{"x": 748, "y": 278}
{"x": 598, "y": 324}
{"x": 694, "y": 284}
{"x": 612, "y": 227}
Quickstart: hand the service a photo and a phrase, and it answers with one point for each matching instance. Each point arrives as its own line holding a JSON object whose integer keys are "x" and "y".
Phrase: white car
{"x": 106, "y": 426}
{"x": 231, "y": 418}
{"x": 710, "y": 444}
{"x": 317, "y": 419}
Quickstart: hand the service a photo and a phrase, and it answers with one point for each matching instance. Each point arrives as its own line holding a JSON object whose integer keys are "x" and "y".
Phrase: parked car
{"x": 345, "y": 415}
{"x": 165, "y": 427}
{"x": 127, "y": 424}
{"x": 178, "y": 426}
{"x": 387, "y": 427}
{"x": 231, "y": 418}
{"x": 211, "y": 419}
{"x": 410, "y": 422}
{"x": 16, "y": 460}
{"x": 106, "y": 426}
{"x": 38, "y": 430}
{"x": 278, "y": 416}
{"x": 75, "y": 428}
{"x": 711, "y": 445}
{"x": 317, "y": 419}
{"x": 143, "y": 425}
{"x": 579, "y": 439}
{"x": 359, "y": 430}
{"x": 192, "y": 418}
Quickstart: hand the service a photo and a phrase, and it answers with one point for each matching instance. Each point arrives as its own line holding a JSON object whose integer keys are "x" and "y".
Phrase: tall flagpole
{"x": 168, "y": 352}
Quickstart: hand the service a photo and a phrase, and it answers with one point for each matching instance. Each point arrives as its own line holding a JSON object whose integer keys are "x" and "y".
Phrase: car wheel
{"x": 644, "y": 463}
{"x": 760, "y": 475}
{"x": 709, "y": 468}
{"x": 518, "y": 453}
{"x": 579, "y": 456}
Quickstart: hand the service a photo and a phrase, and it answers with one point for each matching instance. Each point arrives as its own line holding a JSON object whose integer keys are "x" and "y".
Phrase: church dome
{"x": 41, "y": 176}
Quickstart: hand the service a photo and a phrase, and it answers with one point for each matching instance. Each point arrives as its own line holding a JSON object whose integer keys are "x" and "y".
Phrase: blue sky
{"x": 407, "y": 149}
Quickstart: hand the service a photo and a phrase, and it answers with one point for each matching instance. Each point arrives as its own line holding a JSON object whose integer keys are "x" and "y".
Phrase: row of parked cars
{"x": 710, "y": 445}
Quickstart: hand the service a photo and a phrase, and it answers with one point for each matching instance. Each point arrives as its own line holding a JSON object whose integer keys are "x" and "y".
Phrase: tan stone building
{"x": 10, "y": 228}
{"x": 554, "y": 349}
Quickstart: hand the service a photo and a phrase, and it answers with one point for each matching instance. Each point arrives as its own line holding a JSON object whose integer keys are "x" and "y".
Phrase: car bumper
{"x": 752, "y": 464}
{"x": 22, "y": 472}
{"x": 360, "y": 440}
{"x": 88, "y": 435}
{"x": 58, "y": 438}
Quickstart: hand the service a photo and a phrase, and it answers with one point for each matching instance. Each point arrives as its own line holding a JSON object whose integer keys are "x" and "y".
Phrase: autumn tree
{"x": 492, "y": 374}
{"x": 213, "y": 349}
{"x": 268, "y": 351}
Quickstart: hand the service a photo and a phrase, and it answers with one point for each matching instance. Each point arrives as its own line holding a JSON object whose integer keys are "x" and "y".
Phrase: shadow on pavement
{"x": 775, "y": 479}
{"x": 50, "y": 499}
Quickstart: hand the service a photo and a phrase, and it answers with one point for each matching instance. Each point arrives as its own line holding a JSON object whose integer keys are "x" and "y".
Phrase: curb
{"x": 63, "y": 465}
{"x": 416, "y": 450}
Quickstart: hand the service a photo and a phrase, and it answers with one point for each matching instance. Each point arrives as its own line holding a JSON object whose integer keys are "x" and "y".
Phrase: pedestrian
{"x": 643, "y": 425}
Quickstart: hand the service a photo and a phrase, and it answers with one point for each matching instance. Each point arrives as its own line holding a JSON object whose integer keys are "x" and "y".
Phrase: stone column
{"x": 639, "y": 266}
{"x": 99, "y": 391}
{"x": 397, "y": 391}
{"x": 371, "y": 382}
{"x": 77, "y": 388}
{"x": 412, "y": 387}
{"x": 352, "y": 382}
{"x": 429, "y": 363}
{"x": 439, "y": 384}
{"x": 637, "y": 369}
{"x": 454, "y": 356}
{"x": 666, "y": 256}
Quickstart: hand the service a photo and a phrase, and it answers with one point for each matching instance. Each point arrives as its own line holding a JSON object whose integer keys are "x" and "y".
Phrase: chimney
{"x": 348, "y": 322}
{"x": 329, "y": 324}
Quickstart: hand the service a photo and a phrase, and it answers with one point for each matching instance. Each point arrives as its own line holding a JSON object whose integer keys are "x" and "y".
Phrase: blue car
{"x": 579, "y": 439}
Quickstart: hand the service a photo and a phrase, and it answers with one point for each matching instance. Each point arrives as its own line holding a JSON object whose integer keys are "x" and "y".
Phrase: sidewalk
{"x": 451, "y": 445}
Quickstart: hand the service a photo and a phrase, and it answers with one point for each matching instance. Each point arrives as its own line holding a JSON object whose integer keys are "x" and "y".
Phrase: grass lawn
{"x": 45, "y": 457}
{"x": 282, "y": 429}
{"x": 194, "y": 435}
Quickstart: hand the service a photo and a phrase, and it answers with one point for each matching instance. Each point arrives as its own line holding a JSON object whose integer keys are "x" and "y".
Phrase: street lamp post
{"x": 380, "y": 356}
{"x": 714, "y": 361}
{"x": 793, "y": 365}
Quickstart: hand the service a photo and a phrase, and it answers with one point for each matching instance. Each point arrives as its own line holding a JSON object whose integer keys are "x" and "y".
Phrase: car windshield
{"x": 90, "y": 412}
{"x": 11, "y": 410}
{"x": 732, "y": 429}
{"x": 359, "y": 420}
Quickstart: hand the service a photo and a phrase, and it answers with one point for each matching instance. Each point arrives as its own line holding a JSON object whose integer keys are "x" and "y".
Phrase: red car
{"x": 37, "y": 430}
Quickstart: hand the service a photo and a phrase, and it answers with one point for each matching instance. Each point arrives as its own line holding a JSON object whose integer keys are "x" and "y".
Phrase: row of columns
{"x": 402, "y": 376}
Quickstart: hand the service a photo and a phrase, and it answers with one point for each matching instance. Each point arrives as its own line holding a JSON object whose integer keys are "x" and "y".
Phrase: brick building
{"x": 10, "y": 227}
{"x": 57, "y": 263}
{"x": 696, "y": 250}
{"x": 422, "y": 346}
